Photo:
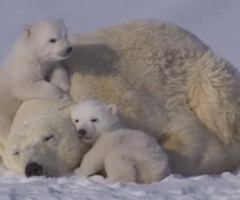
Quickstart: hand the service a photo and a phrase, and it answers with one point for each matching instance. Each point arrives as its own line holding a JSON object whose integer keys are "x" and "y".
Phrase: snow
{"x": 217, "y": 187}
{"x": 215, "y": 22}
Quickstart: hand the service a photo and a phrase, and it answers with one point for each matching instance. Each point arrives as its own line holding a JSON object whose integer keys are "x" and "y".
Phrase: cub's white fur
{"x": 32, "y": 69}
{"x": 126, "y": 155}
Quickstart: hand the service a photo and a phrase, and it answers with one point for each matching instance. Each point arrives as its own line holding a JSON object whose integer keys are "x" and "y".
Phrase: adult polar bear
{"x": 166, "y": 82}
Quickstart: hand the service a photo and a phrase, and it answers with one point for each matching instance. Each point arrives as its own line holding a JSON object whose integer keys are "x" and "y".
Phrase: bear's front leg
{"x": 92, "y": 163}
{"x": 60, "y": 78}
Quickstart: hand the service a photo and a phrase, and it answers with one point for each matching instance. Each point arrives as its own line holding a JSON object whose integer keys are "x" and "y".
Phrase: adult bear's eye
{"x": 94, "y": 120}
{"x": 76, "y": 120}
{"x": 16, "y": 153}
{"x": 52, "y": 40}
{"x": 48, "y": 138}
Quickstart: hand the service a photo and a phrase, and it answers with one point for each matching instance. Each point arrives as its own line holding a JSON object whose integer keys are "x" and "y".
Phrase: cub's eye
{"x": 52, "y": 40}
{"x": 48, "y": 138}
{"x": 16, "y": 153}
{"x": 76, "y": 120}
{"x": 94, "y": 120}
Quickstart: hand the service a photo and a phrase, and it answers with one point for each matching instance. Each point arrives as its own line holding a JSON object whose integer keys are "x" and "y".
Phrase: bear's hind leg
{"x": 191, "y": 146}
{"x": 119, "y": 168}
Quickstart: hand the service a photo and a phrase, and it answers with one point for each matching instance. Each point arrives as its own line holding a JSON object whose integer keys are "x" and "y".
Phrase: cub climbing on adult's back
{"x": 32, "y": 69}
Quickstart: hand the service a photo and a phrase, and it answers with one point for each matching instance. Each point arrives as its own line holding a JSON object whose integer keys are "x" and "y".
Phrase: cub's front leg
{"x": 60, "y": 78}
{"x": 92, "y": 163}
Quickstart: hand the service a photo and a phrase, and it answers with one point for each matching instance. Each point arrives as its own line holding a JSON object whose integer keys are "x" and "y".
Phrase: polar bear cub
{"x": 32, "y": 69}
{"x": 126, "y": 155}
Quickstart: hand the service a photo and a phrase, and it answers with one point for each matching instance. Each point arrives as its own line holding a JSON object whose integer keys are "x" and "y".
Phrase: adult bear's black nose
{"x": 82, "y": 132}
{"x": 33, "y": 169}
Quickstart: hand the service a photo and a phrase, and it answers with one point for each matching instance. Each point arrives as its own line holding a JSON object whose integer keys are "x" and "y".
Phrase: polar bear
{"x": 166, "y": 82}
{"x": 32, "y": 69}
{"x": 43, "y": 141}
{"x": 126, "y": 155}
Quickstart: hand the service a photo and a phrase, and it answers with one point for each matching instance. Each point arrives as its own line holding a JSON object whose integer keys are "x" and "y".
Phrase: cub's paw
{"x": 81, "y": 173}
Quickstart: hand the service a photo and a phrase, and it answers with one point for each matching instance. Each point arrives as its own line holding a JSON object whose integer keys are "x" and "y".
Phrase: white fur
{"x": 43, "y": 134}
{"x": 30, "y": 67}
{"x": 126, "y": 155}
{"x": 166, "y": 82}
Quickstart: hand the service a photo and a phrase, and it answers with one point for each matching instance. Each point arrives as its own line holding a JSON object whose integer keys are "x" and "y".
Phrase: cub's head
{"x": 92, "y": 118}
{"x": 48, "y": 40}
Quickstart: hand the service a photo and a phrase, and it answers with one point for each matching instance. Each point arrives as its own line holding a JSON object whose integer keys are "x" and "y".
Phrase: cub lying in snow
{"x": 32, "y": 70}
{"x": 126, "y": 155}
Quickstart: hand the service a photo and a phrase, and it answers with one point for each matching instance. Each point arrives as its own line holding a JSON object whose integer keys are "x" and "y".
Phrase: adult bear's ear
{"x": 113, "y": 108}
{"x": 27, "y": 31}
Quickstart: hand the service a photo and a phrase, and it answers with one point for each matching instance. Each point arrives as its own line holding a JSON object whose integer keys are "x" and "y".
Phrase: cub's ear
{"x": 112, "y": 108}
{"x": 27, "y": 31}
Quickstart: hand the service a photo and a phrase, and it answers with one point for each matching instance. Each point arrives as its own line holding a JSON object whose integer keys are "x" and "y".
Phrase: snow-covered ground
{"x": 70, "y": 187}
{"x": 214, "y": 21}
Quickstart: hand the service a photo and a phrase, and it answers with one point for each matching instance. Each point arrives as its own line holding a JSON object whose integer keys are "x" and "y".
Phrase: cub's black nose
{"x": 82, "y": 132}
{"x": 69, "y": 50}
{"x": 33, "y": 169}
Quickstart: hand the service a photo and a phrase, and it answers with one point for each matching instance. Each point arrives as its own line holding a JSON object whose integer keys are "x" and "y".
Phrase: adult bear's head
{"x": 44, "y": 143}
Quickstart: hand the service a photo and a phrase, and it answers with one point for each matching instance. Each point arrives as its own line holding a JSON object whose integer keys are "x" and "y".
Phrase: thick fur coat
{"x": 126, "y": 155}
{"x": 165, "y": 82}
{"x": 30, "y": 65}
